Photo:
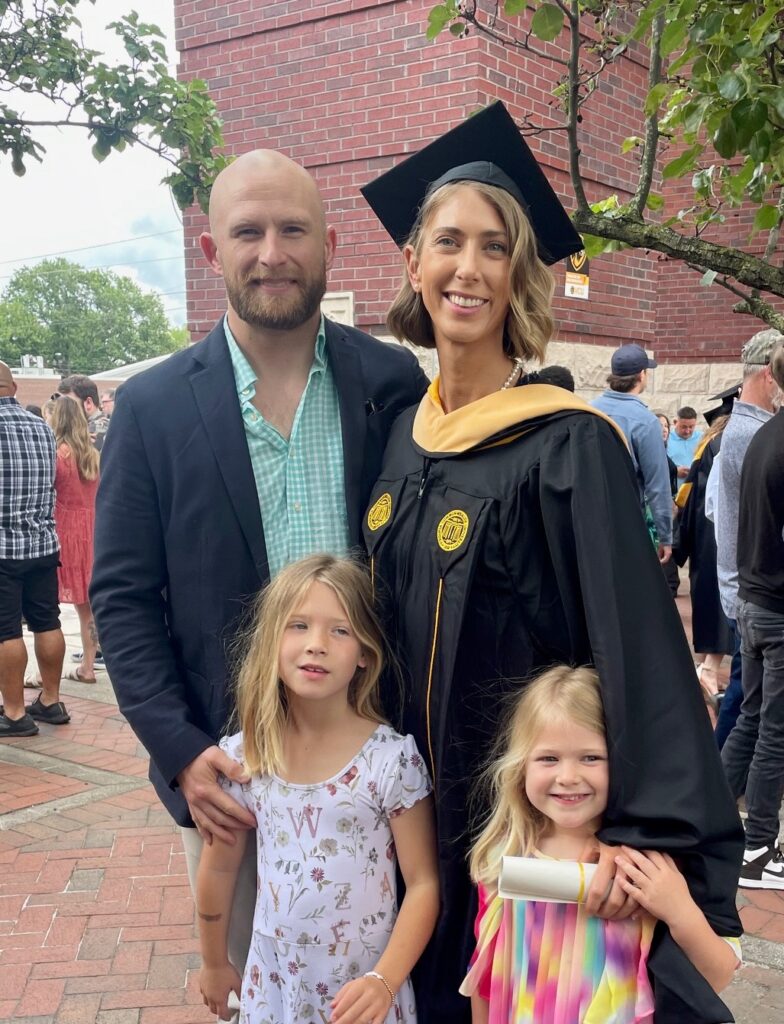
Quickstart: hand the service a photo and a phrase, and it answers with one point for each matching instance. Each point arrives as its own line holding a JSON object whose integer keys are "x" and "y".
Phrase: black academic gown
{"x": 507, "y": 537}
{"x": 697, "y": 543}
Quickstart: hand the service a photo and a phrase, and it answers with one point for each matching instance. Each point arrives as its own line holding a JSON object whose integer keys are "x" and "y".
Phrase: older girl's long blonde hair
{"x": 69, "y": 424}
{"x": 529, "y": 323}
{"x": 261, "y": 696}
{"x": 514, "y": 826}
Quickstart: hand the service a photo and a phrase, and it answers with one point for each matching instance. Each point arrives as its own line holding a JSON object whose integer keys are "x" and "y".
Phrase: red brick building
{"x": 349, "y": 87}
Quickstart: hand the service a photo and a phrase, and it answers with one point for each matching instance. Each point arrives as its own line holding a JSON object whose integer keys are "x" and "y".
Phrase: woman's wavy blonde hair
{"x": 261, "y": 696}
{"x": 514, "y": 826}
{"x": 69, "y": 424}
{"x": 529, "y": 323}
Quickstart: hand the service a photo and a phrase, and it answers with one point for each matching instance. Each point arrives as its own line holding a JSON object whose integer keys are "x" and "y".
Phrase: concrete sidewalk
{"x": 96, "y": 919}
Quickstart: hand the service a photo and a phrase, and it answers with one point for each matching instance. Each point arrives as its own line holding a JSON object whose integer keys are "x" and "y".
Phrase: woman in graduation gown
{"x": 505, "y": 535}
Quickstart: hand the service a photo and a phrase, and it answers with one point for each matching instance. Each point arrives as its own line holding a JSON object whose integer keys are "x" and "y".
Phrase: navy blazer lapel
{"x": 346, "y": 364}
{"x": 215, "y": 392}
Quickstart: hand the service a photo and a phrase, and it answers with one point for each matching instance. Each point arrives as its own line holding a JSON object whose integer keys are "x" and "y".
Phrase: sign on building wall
{"x": 339, "y": 306}
{"x": 576, "y": 285}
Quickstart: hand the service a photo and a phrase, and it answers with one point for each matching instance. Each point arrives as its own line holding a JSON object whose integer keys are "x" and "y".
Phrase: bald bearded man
{"x": 250, "y": 449}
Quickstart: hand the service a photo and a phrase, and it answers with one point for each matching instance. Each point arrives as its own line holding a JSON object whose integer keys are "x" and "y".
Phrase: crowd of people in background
{"x": 50, "y": 472}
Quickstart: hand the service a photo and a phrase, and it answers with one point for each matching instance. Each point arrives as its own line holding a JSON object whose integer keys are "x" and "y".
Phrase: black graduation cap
{"x": 487, "y": 147}
{"x": 727, "y": 399}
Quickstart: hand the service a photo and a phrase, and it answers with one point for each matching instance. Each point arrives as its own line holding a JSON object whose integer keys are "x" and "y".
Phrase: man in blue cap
{"x": 627, "y": 380}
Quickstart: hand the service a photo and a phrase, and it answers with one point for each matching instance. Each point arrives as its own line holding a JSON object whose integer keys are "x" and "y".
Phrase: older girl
{"x": 339, "y": 798}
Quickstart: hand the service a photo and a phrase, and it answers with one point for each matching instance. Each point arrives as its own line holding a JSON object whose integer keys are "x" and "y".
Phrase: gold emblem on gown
{"x": 452, "y": 530}
{"x": 380, "y": 512}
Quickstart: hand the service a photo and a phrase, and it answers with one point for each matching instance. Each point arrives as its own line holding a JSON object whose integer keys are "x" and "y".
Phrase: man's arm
{"x": 129, "y": 578}
{"x": 652, "y": 459}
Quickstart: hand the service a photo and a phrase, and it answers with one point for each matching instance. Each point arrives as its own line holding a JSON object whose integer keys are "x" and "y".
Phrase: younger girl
{"x": 550, "y": 963}
{"x": 338, "y": 796}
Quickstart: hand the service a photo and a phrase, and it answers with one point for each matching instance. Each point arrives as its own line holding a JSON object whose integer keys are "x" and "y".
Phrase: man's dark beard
{"x": 278, "y": 314}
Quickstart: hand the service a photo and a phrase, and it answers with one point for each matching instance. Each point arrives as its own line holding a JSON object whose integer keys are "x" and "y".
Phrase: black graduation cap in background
{"x": 728, "y": 399}
{"x": 487, "y": 147}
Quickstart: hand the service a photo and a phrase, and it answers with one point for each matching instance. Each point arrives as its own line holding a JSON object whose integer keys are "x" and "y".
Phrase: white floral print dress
{"x": 326, "y": 899}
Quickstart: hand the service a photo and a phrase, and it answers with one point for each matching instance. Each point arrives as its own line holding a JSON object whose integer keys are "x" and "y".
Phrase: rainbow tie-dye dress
{"x": 552, "y": 963}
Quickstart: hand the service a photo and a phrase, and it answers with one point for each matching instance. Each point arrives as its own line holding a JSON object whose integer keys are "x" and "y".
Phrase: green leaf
{"x": 437, "y": 20}
{"x": 17, "y": 164}
{"x": 749, "y": 116}
{"x": 693, "y": 114}
{"x": 101, "y": 150}
{"x": 763, "y": 23}
{"x": 681, "y": 164}
{"x": 702, "y": 180}
{"x": 457, "y": 29}
{"x": 630, "y": 143}
{"x": 725, "y": 138}
{"x": 609, "y": 205}
{"x": 655, "y": 201}
{"x": 778, "y": 101}
{"x": 547, "y": 22}
{"x": 654, "y": 98}
{"x": 765, "y": 218}
{"x": 731, "y": 86}
{"x": 512, "y": 7}
{"x": 710, "y": 27}
{"x": 672, "y": 37}
{"x": 759, "y": 147}
{"x": 595, "y": 246}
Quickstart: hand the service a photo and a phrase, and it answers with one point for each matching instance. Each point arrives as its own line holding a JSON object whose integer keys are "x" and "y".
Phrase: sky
{"x": 70, "y": 201}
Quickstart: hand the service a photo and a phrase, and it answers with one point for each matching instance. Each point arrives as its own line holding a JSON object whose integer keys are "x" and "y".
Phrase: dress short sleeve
{"x": 232, "y": 745}
{"x": 486, "y": 928}
{"x": 406, "y": 780}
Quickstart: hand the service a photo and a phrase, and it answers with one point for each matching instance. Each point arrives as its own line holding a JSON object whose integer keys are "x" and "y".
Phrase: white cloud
{"x": 70, "y": 201}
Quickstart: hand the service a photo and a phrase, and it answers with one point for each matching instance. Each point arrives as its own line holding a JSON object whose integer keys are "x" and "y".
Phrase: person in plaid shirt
{"x": 28, "y": 566}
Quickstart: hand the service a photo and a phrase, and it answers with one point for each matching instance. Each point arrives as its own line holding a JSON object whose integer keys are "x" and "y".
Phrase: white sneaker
{"x": 763, "y": 868}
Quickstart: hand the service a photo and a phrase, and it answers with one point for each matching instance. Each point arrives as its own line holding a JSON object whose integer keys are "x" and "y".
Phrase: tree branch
{"x": 94, "y": 126}
{"x": 743, "y": 267}
{"x": 573, "y": 113}
{"x": 750, "y": 304}
{"x": 651, "y": 144}
{"x": 470, "y": 17}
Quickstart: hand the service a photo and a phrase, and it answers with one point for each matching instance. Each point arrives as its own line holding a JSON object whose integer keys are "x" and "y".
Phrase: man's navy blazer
{"x": 179, "y": 545}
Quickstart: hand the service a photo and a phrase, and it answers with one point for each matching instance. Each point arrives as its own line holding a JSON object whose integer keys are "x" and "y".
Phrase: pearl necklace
{"x": 517, "y": 367}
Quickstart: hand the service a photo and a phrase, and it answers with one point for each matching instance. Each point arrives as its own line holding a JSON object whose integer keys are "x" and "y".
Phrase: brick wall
{"x": 348, "y": 87}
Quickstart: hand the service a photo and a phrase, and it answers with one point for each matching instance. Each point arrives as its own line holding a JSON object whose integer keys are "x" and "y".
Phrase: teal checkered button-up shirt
{"x": 299, "y": 481}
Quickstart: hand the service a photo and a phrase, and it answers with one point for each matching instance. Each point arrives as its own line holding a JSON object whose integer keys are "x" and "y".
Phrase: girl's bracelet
{"x": 384, "y": 982}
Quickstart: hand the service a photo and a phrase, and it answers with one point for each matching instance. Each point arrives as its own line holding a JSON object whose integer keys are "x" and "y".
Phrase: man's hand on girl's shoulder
{"x": 214, "y": 812}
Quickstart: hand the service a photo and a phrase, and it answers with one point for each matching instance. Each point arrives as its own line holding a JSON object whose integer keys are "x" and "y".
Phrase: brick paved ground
{"x": 96, "y": 921}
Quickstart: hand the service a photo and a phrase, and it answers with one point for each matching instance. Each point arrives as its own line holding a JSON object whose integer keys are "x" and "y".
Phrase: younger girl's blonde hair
{"x": 69, "y": 424}
{"x": 261, "y": 695}
{"x": 514, "y": 826}
{"x": 529, "y": 323}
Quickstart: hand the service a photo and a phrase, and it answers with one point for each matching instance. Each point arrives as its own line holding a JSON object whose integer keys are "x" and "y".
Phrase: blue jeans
{"x": 753, "y": 756}
{"x": 729, "y": 709}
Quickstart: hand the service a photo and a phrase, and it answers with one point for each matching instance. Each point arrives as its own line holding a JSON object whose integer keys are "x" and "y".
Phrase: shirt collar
{"x": 244, "y": 374}
{"x": 624, "y": 395}
{"x": 8, "y": 400}
{"x": 749, "y": 409}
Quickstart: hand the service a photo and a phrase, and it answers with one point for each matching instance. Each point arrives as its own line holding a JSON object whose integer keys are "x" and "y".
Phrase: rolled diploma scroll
{"x": 536, "y": 878}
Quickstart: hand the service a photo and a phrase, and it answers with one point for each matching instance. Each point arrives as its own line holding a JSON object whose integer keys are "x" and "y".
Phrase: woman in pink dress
{"x": 76, "y": 481}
